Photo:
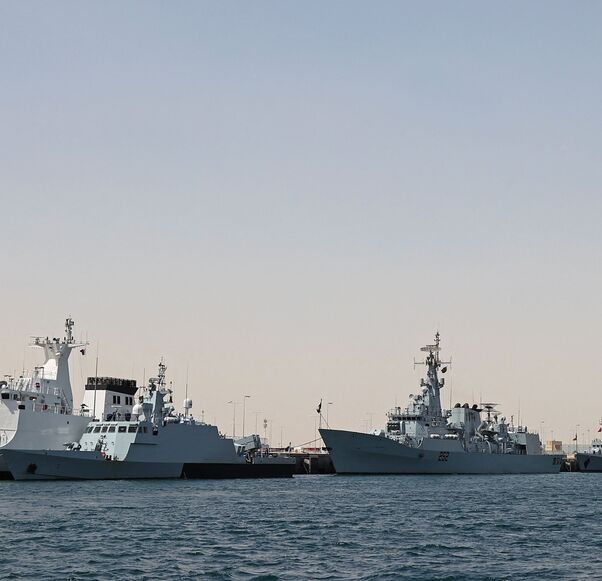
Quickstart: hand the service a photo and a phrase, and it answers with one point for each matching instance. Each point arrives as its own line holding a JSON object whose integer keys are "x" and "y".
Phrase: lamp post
{"x": 256, "y": 418}
{"x": 244, "y": 412}
{"x": 234, "y": 404}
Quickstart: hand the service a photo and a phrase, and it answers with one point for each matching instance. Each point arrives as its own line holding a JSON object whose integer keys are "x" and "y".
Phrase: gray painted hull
{"x": 357, "y": 453}
{"x": 4, "y": 471}
{"x": 66, "y": 465}
{"x": 589, "y": 462}
{"x": 55, "y": 465}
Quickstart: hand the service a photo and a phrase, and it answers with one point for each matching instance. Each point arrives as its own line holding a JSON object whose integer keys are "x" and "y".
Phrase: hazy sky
{"x": 291, "y": 198}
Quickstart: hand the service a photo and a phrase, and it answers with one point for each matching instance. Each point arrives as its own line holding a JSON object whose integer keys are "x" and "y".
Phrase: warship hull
{"x": 358, "y": 453}
{"x": 28, "y": 430}
{"x": 588, "y": 462}
{"x": 66, "y": 465}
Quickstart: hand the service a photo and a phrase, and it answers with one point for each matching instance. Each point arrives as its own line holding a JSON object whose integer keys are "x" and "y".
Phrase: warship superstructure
{"x": 36, "y": 410}
{"x": 151, "y": 441}
{"x": 422, "y": 438}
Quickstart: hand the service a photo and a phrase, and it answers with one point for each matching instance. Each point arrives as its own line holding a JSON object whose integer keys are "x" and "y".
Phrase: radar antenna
{"x": 433, "y": 354}
{"x": 69, "y": 329}
{"x": 161, "y": 374}
{"x": 490, "y": 409}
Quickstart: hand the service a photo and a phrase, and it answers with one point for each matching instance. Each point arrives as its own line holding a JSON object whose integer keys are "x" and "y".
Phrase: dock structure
{"x": 308, "y": 460}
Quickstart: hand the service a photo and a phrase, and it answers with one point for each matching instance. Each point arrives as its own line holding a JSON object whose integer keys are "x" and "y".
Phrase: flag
{"x": 319, "y": 408}
{"x": 599, "y": 428}
{"x": 82, "y": 351}
{"x": 575, "y": 438}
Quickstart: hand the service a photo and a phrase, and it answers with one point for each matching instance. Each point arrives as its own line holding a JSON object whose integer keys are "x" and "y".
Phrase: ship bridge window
{"x": 132, "y": 428}
{"x": 122, "y": 429}
{"x": 111, "y": 428}
{"x": 89, "y": 429}
{"x": 6, "y": 395}
{"x": 104, "y": 429}
{"x": 97, "y": 429}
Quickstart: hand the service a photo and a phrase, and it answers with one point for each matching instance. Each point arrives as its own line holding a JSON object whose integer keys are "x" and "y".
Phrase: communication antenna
{"x": 186, "y": 389}
{"x": 69, "y": 330}
{"x": 433, "y": 352}
{"x": 95, "y": 380}
{"x": 186, "y": 398}
{"x": 161, "y": 374}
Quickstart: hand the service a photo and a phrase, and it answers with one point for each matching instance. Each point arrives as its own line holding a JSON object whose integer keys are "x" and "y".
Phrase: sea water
{"x": 308, "y": 527}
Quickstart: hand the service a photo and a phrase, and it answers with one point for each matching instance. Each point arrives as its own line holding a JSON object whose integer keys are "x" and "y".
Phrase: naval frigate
{"x": 423, "y": 438}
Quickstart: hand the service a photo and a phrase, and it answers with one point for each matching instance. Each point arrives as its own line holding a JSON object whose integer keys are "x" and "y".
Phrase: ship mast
{"x": 55, "y": 369}
{"x": 433, "y": 384}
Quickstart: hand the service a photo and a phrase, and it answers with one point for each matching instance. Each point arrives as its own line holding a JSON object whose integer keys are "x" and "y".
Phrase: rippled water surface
{"x": 311, "y": 527}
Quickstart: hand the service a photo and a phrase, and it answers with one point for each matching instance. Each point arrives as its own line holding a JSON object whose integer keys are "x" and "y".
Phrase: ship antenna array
{"x": 186, "y": 396}
{"x": 95, "y": 382}
{"x": 161, "y": 374}
{"x": 186, "y": 388}
{"x": 69, "y": 329}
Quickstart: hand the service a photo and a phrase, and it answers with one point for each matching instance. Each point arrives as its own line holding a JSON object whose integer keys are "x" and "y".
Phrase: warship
{"x": 590, "y": 461}
{"x": 423, "y": 438}
{"x": 36, "y": 410}
{"x": 150, "y": 441}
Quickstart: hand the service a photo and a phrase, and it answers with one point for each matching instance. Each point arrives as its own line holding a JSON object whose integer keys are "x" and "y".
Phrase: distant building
{"x": 553, "y": 447}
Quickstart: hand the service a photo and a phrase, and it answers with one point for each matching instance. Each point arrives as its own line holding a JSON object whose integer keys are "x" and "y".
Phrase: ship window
{"x": 89, "y": 429}
{"x": 122, "y": 429}
{"x": 97, "y": 429}
{"x": 6, "y": 396}
{"x": 104, "y": 429}
{"x": 132, "y": 428}
{"x": 15, "y": 396}
{"x": 111, "y": 428}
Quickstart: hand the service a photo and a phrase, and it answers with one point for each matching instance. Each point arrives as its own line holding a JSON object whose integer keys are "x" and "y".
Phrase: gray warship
{"x": 423, "y": 438}
{"x": 591, "y": 461}
{"x": 150, "y": 440}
